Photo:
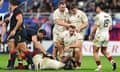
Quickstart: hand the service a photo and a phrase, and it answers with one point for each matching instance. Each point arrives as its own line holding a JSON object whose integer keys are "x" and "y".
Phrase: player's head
{"x": 13, "y": 3}
{"x": 73, "y": 8}
{"x": 100, "y": 7}
{"x": 41, "y": 33}
{"x": 62, "y": 6}
{"x": 71, "y": 29}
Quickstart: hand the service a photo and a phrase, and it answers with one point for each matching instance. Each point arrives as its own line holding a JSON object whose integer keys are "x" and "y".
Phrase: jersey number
{"x": 106, "y": 22}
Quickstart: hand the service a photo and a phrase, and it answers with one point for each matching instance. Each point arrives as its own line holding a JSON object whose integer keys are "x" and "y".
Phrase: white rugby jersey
{"x": 104, "y": 21}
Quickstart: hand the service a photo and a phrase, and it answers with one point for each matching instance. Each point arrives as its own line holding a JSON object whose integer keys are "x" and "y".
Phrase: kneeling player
{"x": 35, "y": 37}
{"x": 71, "y": 41}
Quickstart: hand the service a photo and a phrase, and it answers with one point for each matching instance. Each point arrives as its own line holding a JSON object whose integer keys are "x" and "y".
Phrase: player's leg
{"x": 13, "y": 54}
{"x": 55, "y": 51}
{"x": 97, "y": 58}
{"x": 77, "y": 57}
{"x": 109, "y": 57}
{"x": 60, "y": 49}
{"x": 80, "y": 57}
{"x": 58, "y": 46}
{"x": 20, "y": 57}
{"x": 23, "y": 47}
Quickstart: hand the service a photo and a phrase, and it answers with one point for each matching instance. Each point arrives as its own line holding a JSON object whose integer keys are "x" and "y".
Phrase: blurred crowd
{"x": 85, "y": 5}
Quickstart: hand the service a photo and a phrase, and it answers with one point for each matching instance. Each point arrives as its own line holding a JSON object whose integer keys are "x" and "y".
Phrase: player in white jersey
{"x": 79, "y": 19}
{"x": 101, "y": 28}
{"x": 71, "y": 41}
{"x": 60, "y": 17}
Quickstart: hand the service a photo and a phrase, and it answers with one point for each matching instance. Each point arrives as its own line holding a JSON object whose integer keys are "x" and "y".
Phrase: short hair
{"x": 14, "y": 2}
{"x": 72, "y": 6}
{"x": 61, "y": 3}
{"x": 101, "y": 5}
{"x": 71, "y": 26}
{"x": 42, "y": 31}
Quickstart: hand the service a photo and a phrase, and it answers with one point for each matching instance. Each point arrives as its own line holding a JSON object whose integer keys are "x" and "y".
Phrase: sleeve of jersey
{"x": 96, "y": 20}
{"x": 84, "y": 17}
{"x": 18, "y": 12}
{"x": 33, "y": 32}
{"x": 55, "y": 15}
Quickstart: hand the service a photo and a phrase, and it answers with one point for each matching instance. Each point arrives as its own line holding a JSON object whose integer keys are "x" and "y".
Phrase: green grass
{"x": 88, "y": 65}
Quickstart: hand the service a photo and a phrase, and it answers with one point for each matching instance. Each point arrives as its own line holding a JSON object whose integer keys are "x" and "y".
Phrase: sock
{"x": 78, "y": 63}
{"x": 98, "y": 63}
{"x": 110, "y": 59}
{"x": 11, "y": 61}
{"x": 29, "y": 57}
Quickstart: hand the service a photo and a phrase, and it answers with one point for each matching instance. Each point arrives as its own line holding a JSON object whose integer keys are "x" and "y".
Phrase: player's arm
{"x": 110, "y": 28}
{"x": 19, "y": 18}
{"x": 93, "y": 30}
{"x": 3, "y": 32}
{"x": 85, "y": 22}
{"x": 37, "y": 44}
{"x": 58, "y": 20}
{"x": 75, "y": 45}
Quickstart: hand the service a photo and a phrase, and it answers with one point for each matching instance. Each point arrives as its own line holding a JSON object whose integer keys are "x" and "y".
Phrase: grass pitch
{"x": 88, "y": 65}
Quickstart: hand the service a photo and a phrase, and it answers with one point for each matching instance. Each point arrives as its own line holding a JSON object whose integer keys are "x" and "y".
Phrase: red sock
{"x": 98, "y": 63}
{"x": 110, "y": 58}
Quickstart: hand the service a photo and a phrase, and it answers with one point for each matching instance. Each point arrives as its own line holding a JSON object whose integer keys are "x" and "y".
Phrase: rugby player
{"x": 101, "y": 28}
{"x": 79, "y": 19}
{"x": 71, "y": 41}
{"x": 60, "y": 17}
{"x": 16, "y": 35}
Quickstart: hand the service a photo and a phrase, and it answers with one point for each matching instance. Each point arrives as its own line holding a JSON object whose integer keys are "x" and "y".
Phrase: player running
{"x": 79, "y": 19}
{"x": 101, "y": 28}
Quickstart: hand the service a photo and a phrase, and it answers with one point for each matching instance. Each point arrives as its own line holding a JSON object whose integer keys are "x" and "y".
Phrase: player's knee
{"x": 77, "y": 50}
{"x": 103, "y": 51}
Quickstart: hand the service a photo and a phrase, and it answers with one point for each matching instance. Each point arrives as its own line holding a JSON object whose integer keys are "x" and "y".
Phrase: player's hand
{"x": 12, "y": 33}
{"x": 2, "y": 39}
{"x": 66, "y": 48}
{"x": 90, "y": 37}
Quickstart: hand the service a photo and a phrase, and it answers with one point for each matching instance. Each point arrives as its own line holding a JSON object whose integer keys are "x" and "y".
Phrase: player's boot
{"x": 113, "y": 66}
{"x": 99, "y": 68}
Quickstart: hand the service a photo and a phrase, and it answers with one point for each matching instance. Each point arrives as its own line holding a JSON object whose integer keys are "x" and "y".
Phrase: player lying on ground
{"x": 42, "y": 62}
{"x": 71, "y": 43}
{"x": 101, "y": 28}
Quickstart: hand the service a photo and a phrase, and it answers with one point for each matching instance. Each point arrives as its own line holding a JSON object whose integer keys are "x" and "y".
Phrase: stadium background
{"x": 36, "y": 12}
{"x": 38, "y": 15}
